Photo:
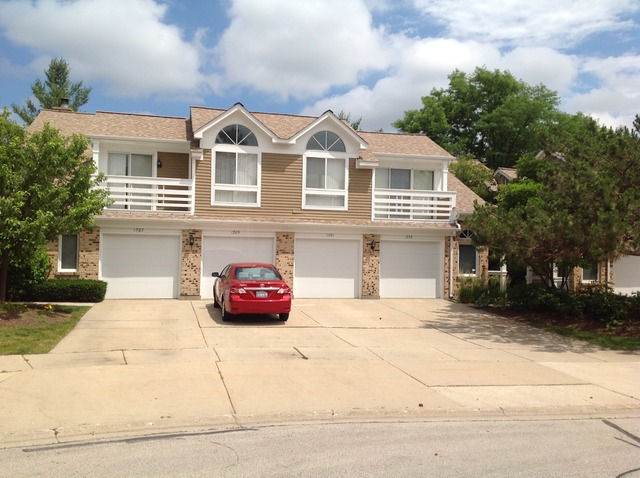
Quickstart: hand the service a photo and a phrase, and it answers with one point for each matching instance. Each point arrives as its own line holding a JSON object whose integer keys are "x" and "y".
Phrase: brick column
{"x": 190, "y": 264}
{"x": 284, "y": 255}
{"x": 370, "y": 267}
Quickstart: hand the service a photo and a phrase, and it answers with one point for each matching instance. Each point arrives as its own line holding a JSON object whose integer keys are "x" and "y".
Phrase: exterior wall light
{"x": 192, "y": 240}
{"x": 373, "y": 244}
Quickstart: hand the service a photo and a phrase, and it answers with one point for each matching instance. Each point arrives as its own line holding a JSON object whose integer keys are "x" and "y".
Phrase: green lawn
{"x": 39, "y": 339}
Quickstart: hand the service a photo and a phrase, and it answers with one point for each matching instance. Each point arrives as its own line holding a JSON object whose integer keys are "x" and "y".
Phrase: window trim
{"x": 590, "y": 281}
{"x": 60, "y": 269}
{"x": 412, "y": 172}
{"x": 228, "y": 148}
{"x": 324, "y": 191}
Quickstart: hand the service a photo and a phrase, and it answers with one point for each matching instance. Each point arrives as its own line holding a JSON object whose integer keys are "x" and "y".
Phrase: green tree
{"x": 574, "y": 205}
{"x": 49, "y": 93}
{"x": 47, "y": 188}
{"x": 474, "y": 174}
{"x": 347, "y": 117}
{"x": 489, "y": 114}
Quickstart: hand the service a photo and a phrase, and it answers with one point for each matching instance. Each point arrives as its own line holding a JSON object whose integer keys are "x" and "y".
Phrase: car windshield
{"x": 256, "y": 273}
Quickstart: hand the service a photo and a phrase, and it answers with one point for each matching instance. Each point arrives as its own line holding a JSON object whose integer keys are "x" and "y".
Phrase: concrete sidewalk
{"x": 132, "y": 367}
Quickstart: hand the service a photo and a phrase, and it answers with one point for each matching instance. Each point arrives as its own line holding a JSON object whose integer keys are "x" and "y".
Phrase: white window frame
{"x": 229, "y": 148}
{"x": 60, "y": 269}
{"x": 324, "y": 191}
{"x": 411, "y": 178}
{"x": 590, "y": 281}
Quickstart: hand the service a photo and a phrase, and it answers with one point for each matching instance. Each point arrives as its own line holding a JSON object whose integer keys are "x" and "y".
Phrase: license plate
{"x": 261, "y": 294}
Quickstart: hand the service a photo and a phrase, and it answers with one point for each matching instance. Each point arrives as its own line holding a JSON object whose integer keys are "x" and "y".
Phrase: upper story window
{"x": 326, "y": 170}
{"x": 236, "y": 134}
{"x": 236, "y": 168}
{"x": 326, "y": 141}
{"x": 410, "y": 179}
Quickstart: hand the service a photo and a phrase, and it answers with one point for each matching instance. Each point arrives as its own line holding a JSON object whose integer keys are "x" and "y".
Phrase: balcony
{"x": 406, "y": 205}
{"x": 165, "y": 195}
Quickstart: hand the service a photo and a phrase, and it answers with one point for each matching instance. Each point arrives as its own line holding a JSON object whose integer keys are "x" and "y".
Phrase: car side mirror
{"x": 215, "y": 274}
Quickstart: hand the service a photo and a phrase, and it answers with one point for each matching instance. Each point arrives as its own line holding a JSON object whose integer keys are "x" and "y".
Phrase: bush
{"x": 24, "y": 275}
{"x": 599, "y": 304}
{"x": 480, "y": 292}
{"x": 603, "y": 305}
{"x": 69, "y": 290}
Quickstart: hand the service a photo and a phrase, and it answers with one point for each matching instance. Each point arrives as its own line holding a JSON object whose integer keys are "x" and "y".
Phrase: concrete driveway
{"x": 149, "y": 366}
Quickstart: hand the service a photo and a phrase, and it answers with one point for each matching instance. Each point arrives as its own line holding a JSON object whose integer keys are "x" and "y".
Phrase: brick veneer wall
{"x": 88, "y": 257}
{"x": 284, "y": 255}
{"x": 370, "y": 267}
{"x": 190, "y": 268}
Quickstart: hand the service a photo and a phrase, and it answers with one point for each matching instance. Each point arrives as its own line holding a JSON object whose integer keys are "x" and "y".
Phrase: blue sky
{"x": 371, "y": 58}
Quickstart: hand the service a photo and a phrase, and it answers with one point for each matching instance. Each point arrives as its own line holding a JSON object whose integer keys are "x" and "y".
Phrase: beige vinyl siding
{"x": 174, "y": 165}
{"x": 281, "y": 193}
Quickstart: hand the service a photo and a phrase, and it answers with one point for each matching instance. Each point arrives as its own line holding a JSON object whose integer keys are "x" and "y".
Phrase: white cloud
{"x": 123, "y": 43}
{"x": 553, "y": 23}
{"x": 294, "y": 48}
{"x": 536, "y": 65}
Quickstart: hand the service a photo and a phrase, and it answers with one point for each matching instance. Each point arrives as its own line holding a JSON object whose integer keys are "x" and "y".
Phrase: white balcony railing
{"x": 406, "y": 205}
{"x": 150, "y": 194}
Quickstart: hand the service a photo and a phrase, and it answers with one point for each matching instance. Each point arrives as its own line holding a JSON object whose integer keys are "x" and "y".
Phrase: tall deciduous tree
{"x": 46, "y": 189}
{"x": 489, "y": 114}
{"x": 57, "y": 85}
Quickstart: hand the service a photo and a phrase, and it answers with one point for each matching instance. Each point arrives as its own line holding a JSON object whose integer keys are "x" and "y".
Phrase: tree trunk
{"x": 4, "y": 272}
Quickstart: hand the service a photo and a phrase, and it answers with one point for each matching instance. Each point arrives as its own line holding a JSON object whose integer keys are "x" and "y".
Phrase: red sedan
{"x": 251, "y": 288}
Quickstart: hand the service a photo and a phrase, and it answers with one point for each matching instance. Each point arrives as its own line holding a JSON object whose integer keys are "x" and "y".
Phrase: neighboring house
{"x": 505, "y": 175}
{"x": 341, "y": 213}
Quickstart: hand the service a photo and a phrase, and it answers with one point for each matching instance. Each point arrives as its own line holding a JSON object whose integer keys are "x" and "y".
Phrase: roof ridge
{"x": 149, "y": 115}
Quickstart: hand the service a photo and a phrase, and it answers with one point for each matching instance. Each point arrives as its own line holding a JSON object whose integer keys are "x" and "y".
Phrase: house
{"x": 341, "y": 213}
{"x": 505, "y": 175}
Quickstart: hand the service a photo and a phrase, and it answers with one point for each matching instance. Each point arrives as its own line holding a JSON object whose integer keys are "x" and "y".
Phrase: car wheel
{"x": 226, "y": 316}
{"x": 215, "y": 301}
{"x": 283, "y": 317}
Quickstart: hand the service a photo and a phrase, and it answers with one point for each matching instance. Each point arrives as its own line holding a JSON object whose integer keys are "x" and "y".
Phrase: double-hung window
{"x": 68, "y": 253}
{"x": 236, "y": 168}
{"x": 326, "y": 169}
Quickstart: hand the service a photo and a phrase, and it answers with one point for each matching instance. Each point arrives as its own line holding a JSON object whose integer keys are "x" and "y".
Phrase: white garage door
{"x": 410, "y": 269}
{"x": 326, "y": 268}
{"x": 626, "y": 275}
{"x": 140, "y": 267}
{"x": 219, "y": 251}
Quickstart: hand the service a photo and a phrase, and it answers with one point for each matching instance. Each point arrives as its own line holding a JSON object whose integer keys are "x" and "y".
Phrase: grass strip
{"x": 38, "y": 340}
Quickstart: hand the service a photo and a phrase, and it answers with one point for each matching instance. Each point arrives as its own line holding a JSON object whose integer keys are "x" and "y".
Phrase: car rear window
{"x": 257, "y": 273}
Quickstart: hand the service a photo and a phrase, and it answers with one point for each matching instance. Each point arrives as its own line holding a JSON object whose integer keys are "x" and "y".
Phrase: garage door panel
{"x": 140, "y": 267}
{"x": 626, "y": 275}
{"x": 220, "y": 251}
{"x": 409, "y": 269}
{"x": 326, "y": 268}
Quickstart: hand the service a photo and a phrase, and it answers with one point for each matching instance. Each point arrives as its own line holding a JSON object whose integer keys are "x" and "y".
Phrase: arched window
{"x": 236, "y": 168}
{"x": 238, "y": 135}
{"x": 326, "y": 170}
{"x": 326, "y": 141}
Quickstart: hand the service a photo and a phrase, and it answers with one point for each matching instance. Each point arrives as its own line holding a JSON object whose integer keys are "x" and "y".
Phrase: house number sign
{"x": 138, "y": 229}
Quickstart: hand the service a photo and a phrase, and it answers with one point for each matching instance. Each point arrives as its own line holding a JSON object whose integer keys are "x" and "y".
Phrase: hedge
{"x": 69, "y": 290}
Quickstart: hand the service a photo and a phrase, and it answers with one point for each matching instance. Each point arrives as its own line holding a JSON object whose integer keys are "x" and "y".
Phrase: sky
{"x": 372, "y": 59}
